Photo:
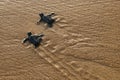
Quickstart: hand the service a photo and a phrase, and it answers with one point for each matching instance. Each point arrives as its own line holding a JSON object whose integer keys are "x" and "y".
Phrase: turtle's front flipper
{"x": 24, "y": 40}
{"x": 51, "y": 14}
{"x": 39, "y": 21}
{"x": 41, "y": 35}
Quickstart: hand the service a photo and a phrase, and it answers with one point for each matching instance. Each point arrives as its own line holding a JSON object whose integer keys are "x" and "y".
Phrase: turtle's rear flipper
{"x": 50, "y": 25}
{"x": 36, "y": 45}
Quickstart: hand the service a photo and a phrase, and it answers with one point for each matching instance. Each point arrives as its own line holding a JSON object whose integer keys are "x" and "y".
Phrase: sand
{"x": 84, "y": 43}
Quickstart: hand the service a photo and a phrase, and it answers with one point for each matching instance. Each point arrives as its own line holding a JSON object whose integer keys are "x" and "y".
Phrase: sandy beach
{"x": 83, "y": 44}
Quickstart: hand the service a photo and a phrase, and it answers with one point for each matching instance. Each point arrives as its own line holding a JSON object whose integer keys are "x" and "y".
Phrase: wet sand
{"x": 84, "y": 43}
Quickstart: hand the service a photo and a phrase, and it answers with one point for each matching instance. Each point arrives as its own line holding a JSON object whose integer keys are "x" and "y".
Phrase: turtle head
{"x": 29, "y": 33}
{"x": 41, "y": 14}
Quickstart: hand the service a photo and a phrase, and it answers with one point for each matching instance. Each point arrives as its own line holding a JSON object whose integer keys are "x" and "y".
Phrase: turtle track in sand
{"x": 65, "y": 69}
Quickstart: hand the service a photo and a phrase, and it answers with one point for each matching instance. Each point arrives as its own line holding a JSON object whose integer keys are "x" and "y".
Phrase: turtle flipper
{"x": 24, "y": 40}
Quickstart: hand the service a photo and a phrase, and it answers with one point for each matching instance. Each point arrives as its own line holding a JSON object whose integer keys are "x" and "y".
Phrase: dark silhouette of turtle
{"x": 46, "y": 19}
{"x": 34, "y": 39}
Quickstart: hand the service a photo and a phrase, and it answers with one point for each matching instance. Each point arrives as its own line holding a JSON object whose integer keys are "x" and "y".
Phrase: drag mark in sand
{"x": 65, "y": 69}
{"x": 85, "y": 75}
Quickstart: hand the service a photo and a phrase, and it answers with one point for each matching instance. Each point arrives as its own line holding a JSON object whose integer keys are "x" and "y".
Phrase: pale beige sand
{"x": 84, "y": 43}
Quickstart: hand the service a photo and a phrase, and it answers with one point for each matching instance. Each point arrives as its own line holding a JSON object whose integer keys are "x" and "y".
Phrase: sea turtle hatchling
{"x": 34, "y": 39}
{"x": 46, "y": 19}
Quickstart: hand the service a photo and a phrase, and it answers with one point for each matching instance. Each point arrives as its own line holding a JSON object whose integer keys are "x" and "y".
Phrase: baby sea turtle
{"x": 46, "y": 19}
{"x": 34, "y": 39}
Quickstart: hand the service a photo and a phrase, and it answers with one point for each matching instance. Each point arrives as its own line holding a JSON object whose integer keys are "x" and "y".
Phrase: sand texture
{"x": 84, "y": 43}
